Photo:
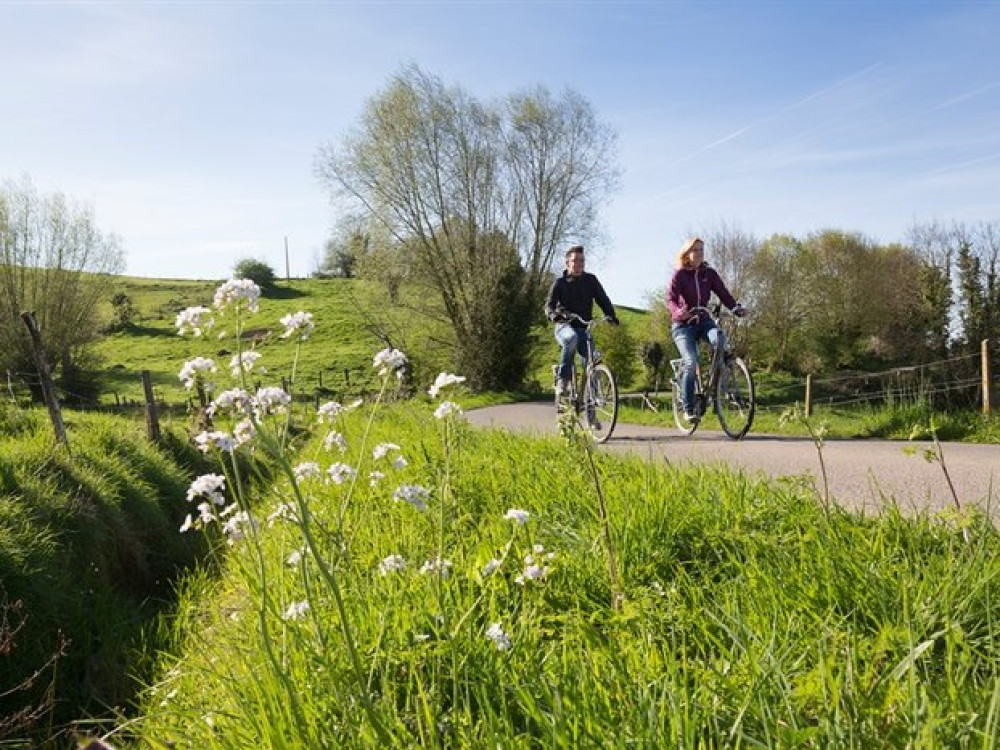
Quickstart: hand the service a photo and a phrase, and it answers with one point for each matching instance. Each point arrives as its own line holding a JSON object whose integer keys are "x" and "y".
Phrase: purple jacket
{"x": 692, "y": 287}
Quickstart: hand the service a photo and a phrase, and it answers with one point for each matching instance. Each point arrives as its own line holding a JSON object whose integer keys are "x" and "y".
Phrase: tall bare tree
{"x": 56, "y": 263}
{"x": 482, "y": 196}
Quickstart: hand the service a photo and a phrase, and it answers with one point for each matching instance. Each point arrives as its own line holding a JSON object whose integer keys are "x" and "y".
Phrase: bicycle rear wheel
{"x": 678, "y": 408}
{"x": 734, "y": 398}
{"x": 601, "y": 403}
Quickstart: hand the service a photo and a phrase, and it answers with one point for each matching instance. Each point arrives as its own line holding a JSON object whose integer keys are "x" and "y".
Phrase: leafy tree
{"x": 255, "y": 269}
{"x": 346, "y": 248}
{"x": 56, "y": 263}
{"x": 481, "y": 196}
{"x": 123, "y": 312}
{"x": 618, "y": 348}
{"x": 653, "y": 356}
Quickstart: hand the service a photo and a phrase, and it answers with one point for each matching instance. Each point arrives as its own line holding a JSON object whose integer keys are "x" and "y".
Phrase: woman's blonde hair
{"x": 687, "y": 247}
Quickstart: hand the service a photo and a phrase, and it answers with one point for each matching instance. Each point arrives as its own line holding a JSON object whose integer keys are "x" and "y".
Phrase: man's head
{"x": 574, "y": 260}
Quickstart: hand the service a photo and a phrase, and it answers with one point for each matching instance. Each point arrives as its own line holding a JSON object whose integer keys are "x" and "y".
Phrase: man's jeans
{"x": 572, "y": 340}
{"x": 686, "y": 337}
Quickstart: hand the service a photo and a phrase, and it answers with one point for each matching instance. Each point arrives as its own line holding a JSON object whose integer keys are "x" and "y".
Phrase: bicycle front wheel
{"x": 601, "y": 403}
{"x": 734, "y": 398}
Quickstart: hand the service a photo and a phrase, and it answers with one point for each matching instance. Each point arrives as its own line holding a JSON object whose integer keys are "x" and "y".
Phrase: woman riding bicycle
{"x": 691, "y": 286}
{"x": 574, "y": 291}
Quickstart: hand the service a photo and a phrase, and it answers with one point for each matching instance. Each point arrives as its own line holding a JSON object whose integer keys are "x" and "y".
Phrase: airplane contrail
{"x": 778, "y": 113}
{"x": 737, "y": 133}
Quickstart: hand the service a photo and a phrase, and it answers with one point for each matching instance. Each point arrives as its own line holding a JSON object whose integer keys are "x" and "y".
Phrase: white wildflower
{"x": 447, "y": 409}
{"x": 244, "y": 362}
{"x": 341, "y": 472}
{"x": 271, "y": 400}
{"x": 235, "y": 290}
{"x": 296, "y": 610}
{"x": 390, "y": 360}
{"x": 374, "y": 477}
{"x": 300, "y": 322}
{"x": 195, "y": 369}
{"x": 244, "y": 431}
{"x": 437, "y": 565}
{"x": 215, "y": 439}
{"x": 232, "y": 401}
{"x": 392, "y": 564}
{"x": 284, "y": 512}
{"x": 294, "y": 559}
{"x": 443, "y": 381}
{"x": 194, "y": 319}
{"x": 335, "y": 439}
{"x": 500, "y": 639}
{"x": 413, "y": 494}
{"x": 210, "y": 486}
{"x": 306, "y": 470}
{"x": 517, "y": 515}
{"x": 382, "y": 449}
{"x": 234, "y": 527}
{"x": 328, "y": 412}
{"x": 490, "y": 567}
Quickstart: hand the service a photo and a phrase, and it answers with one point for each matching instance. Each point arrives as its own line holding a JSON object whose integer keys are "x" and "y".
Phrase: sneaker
{"x": 692, "y": 418}
{"x": 562, "y": 387}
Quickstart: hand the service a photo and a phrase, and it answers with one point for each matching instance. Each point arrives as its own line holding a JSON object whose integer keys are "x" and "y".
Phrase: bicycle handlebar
{"x": 572, "y": 316}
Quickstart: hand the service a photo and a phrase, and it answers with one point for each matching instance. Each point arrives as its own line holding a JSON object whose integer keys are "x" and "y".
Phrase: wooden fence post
{"x": 987, "y": 405}
{"x": 48, "y": 391}
{"x": 152, "y": 423}
{"x": 809, "y": 388}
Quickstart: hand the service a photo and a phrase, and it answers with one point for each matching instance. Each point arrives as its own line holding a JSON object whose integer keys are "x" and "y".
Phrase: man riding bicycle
{"x": 575, "y": 291}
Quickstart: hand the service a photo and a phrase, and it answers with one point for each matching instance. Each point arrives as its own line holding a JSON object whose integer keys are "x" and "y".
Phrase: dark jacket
{"x": 692, "y": 287}
{"x": 578, "y": 295}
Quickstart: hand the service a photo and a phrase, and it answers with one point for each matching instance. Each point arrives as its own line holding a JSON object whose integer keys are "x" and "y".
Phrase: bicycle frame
{"x": 725, "y": 387}
{"x": 593, "y": 392}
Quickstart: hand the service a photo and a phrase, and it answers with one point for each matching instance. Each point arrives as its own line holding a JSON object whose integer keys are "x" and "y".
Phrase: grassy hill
{"x": 348, "y": 313}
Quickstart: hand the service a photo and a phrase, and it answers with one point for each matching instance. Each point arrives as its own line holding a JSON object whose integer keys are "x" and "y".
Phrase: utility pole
{"x": 288, "y": 275}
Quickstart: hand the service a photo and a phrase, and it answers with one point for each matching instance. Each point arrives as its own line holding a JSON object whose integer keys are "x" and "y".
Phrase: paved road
{"x": 863, "y": 474}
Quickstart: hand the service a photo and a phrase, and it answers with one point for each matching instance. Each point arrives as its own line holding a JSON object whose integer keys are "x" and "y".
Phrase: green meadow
{"x": 383, "y": 575}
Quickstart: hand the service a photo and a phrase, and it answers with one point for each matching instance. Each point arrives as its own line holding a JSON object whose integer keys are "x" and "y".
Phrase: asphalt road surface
{"x": 862, "y": 474}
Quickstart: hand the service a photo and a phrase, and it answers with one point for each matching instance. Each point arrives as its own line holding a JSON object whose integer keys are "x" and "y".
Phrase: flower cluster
{"x": 236, "y": 290}
{"x": 443, "y": 380}
{"x": 534, "y": 567}
{"x": 448, "y": 409}
{"x": 195, "y": 320}
{"x": 496, "y": 634}
{"x": 244, "y": 362}
{"x": 300, "y": 323}
{"x": 390, "y": 360}
{"x": 195, "y": 370}
{"x": 391, "y": 564}
{"x": 413, "y": 494}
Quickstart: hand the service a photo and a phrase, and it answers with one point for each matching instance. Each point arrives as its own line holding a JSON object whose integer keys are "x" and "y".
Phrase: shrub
{"x": 258, "y": 271}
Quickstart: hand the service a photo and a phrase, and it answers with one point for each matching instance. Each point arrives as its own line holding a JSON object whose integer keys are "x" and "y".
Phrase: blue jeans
{"x": 572, "y": 340}
{"x": 686, "y": 337}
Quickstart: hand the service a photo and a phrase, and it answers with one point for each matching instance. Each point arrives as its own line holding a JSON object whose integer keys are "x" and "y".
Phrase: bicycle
{"x": 726, "y": 385}
{"x": 595, "y": 396}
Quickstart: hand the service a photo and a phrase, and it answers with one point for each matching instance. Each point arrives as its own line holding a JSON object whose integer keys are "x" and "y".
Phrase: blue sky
{"x": 191, "y": 128}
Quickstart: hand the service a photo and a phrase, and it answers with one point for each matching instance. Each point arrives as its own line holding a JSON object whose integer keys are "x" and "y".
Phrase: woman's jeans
{"x": 687, "y": 336}
{"x": 572, "y": 340}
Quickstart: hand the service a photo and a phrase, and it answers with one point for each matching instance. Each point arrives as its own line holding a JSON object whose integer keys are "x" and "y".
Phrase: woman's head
{"x": 691, "y": 253}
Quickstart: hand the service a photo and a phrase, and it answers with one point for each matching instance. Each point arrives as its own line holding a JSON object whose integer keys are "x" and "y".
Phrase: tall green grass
{"x": 88, "y": 554}
{"x": 749, "y": 617}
